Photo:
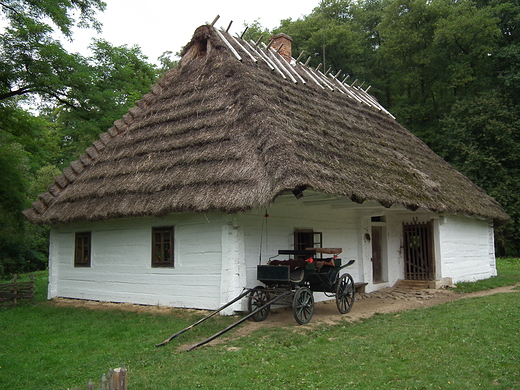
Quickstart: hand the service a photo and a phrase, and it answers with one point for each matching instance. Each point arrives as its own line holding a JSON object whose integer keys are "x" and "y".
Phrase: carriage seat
{"x": 297, "y": 275}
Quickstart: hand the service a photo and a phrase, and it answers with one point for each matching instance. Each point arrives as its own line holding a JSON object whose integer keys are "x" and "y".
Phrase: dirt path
{"x": 388, "y": 300}
{"x": 384, "y": 301}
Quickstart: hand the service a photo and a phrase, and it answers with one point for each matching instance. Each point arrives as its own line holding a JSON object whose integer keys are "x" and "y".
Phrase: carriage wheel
{"x": 303, "y": 305}
{"x": 258, "y": 298}
{"x": 345, "y": 292}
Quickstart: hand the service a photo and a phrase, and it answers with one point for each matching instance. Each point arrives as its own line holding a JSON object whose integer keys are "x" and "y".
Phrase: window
{"x": 82, "y": 249}
{"x": 307, "y": 238}
{"x": 162, "y": 247}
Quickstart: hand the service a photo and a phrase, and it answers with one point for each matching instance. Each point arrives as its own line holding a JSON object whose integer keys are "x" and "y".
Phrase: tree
{"x": 333, "y": 36}
{"x": 81, "y": 97}
{"x": 484, "y": 144}
{"x": 114, "y": 78}
{"x": 16, "y": 252}
{"x": 35, "y": 68}
{"x": 254, "y": 31}
{"x": 31, "y": 60}
{"x": 167, "y": 63}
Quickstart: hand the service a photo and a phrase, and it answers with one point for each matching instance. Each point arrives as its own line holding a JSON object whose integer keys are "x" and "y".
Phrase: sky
{"x": 165, "y": 25}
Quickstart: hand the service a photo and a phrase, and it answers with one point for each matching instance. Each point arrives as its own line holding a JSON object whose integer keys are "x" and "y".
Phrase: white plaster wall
{"x": 392, "y": 241}
{"x": 466, "y": 248}
{"x": 463, "y": 246}
{"x": 233, "y": 274}
{"x": 121, "y": 268}
{"x": 216, "y": 254}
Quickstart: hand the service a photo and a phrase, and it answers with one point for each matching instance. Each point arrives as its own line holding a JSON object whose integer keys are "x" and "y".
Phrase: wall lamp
{"x": 298, "y": 191}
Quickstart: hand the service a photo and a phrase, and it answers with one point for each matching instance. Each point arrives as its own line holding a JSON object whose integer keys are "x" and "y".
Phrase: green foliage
{"x": 507, "y": 61}
{"x": 167, "y": 63}
{"x": 16, "y": 251}
{"x": 333, "y": 29}
{"x": 31, "y": 60}
{"x": 254, "y": 31}
{"x": 482, "y": 140}
{"x": 62, "y": 13}
{"x": 53, "y": 104}
{"x": 114, "y": 78}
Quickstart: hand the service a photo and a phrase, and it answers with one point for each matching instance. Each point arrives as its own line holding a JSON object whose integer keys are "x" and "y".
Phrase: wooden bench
{"x": 360, "y": 287}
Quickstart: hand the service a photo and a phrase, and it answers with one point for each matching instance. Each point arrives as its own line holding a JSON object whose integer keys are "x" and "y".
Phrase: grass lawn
{"x": 465, "y": 344}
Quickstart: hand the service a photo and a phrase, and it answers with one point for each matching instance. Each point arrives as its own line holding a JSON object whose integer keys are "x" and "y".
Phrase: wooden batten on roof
{"x": 234, "y": 126}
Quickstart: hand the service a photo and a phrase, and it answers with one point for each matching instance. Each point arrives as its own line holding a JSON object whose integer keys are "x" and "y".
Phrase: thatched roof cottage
{"x": 240, "y": 151}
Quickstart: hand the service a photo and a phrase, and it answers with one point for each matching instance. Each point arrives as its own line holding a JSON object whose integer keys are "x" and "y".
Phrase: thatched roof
{"x": 222, "y": 133}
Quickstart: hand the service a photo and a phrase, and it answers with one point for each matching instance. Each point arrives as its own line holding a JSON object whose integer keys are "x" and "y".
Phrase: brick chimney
{"x": 284, "y": 41}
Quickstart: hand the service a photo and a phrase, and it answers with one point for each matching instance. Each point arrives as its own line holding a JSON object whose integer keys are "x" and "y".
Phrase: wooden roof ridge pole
{"x": 375, "y": 102}
{"x": 275, "y": 55}
{"x": 353, "y": 90}
{"x": 304, "y": 67}
{"x": 292, "y": 68}
{"x": 259, "y": 54}
{"x": 229, "y": 26}
{"x": 257, "y": 51}
{"x": 243, "y": 48}
{"x": 235, "y": 53}
{"x": 299, "y": 57}
{"x": 327, "y": 82}
{"x": 266, "y": 57}
{"x": 317, "y": 75}
{"x": 215, "y": 21}
{"x": 359, "y": 93}
{"x": 352, "y": 94}
{"x": 349, "y": 93}
{"x": 365, "y": 97}
{"x": 370, "y": 100}
{"x": 288, "y": 68}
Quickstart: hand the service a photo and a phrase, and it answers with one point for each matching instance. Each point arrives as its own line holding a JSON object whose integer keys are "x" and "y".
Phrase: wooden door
{"x": 418, "y": 251}
{"x": 377, "y": 255}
